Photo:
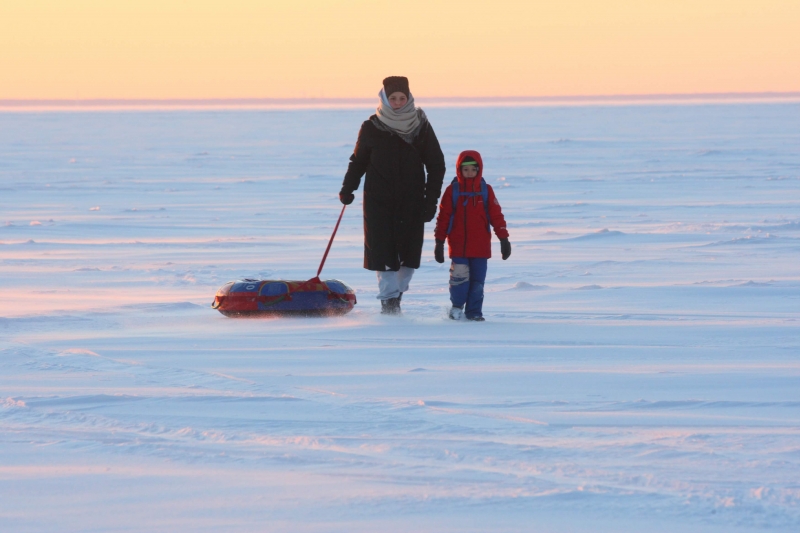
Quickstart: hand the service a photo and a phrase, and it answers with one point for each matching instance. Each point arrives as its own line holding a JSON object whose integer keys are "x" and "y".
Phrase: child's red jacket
{"x": 470, "y": 236}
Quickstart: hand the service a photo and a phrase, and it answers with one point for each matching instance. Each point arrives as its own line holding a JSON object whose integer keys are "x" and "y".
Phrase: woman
{"x": 395, "y": 147}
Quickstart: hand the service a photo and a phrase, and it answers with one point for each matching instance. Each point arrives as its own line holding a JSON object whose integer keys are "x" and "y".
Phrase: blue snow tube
{"x": 253, "y": 298}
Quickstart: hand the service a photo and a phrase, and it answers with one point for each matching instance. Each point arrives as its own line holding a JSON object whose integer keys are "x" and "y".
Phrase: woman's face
{"x": 397, "y": 100}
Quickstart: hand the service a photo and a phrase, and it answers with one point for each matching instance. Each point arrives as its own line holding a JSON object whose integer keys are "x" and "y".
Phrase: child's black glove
{"x": 438, "y": 252}
{"x": 505, "y": 248}
{"x": 346, "y": 197}
{"x": 430, "y": 211}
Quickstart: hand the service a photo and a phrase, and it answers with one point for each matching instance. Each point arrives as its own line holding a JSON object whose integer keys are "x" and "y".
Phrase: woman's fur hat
{"x": 394, "y": 84}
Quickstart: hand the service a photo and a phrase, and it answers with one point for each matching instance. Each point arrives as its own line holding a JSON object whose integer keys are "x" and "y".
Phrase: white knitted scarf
{"x": 406, "y": 121}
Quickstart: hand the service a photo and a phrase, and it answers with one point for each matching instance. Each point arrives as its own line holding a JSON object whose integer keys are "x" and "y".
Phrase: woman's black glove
{"x": 346, "y": 197}
{"x": 438, "y": 252}
{"x": 430, "y": 212}
{"x": 505, "y": 248}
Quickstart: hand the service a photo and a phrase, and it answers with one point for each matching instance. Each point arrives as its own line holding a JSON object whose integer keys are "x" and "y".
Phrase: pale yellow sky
{"x": 84, "y": 49}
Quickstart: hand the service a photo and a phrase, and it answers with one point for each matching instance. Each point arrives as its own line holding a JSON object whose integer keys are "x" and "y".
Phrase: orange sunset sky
{"x": 166, "y": 49}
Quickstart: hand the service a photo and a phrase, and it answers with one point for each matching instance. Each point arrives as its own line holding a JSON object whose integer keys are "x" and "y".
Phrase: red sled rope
{"x": 315, "y": 279}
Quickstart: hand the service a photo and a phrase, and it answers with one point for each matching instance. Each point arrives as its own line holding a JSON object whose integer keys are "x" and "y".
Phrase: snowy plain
{"x": 639, "y": 368}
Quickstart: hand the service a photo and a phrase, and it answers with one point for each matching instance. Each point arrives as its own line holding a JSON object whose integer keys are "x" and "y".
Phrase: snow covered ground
{"x": 639, "y": 369}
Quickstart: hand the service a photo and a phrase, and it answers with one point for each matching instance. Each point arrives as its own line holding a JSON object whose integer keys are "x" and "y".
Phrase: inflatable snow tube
{"x": 253, "y": 298}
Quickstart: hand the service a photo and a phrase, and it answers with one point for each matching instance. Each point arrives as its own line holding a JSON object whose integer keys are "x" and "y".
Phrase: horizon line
{"x": 435, "y": 101}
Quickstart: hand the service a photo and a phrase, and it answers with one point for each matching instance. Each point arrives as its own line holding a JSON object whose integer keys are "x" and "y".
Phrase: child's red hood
{"x": 477, "y": 179}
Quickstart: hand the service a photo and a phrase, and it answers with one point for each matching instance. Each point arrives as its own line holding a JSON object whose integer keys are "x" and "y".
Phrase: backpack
{"x": 457, "y": 194}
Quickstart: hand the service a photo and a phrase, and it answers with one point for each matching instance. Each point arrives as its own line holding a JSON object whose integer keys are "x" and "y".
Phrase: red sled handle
{"x": 330, "y": 242}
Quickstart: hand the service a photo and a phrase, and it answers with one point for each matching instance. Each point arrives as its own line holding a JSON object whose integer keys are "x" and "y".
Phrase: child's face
{"x": 469, "y": 171}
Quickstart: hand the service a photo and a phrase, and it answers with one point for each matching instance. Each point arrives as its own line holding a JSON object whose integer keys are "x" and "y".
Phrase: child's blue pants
{"x": 467, "y": 275}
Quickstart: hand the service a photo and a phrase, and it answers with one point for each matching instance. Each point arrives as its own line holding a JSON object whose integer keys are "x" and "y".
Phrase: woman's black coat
{"x": 396, "y": 192}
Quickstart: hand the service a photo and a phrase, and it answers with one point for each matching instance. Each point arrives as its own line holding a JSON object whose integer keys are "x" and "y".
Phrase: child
{"x": 464, "y": 221}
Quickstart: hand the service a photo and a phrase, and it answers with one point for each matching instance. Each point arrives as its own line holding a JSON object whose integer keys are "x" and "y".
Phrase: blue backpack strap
{"x": 485, "y": 194}
{"x": 456, "y": 194}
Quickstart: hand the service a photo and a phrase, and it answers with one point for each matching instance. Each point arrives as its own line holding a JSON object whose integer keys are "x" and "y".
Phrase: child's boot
{"x": 456, "y": 313}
